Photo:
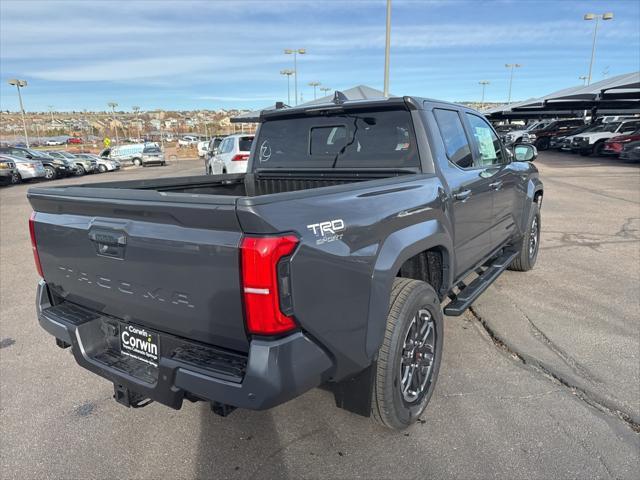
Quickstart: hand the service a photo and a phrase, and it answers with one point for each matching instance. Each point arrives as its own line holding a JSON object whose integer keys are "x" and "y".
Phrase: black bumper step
{"x": 469, "y": 293}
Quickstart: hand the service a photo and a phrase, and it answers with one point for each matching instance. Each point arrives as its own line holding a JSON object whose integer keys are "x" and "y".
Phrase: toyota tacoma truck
{"x": 331, "y": 262}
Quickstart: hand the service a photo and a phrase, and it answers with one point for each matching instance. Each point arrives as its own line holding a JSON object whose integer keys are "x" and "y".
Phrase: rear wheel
{"x": 102, "y": 168}
{"x": 597, "y": 150}
{"x": 530, "y": 243}
{"x": 137, "y": 162}
{"x": 542, "y": 143}
{"x": 80, "y": 170}
{"x": 409, "y": 358}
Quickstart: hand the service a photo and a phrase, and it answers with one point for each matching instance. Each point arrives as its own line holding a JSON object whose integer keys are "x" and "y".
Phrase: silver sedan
{"x": 26, "y": 169}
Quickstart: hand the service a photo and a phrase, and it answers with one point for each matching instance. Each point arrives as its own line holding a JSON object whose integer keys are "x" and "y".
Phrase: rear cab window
{"x": 344, "y": 139}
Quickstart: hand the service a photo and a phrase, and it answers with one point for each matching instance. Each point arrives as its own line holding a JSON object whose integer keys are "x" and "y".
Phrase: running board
{"x": 469, "y": 293}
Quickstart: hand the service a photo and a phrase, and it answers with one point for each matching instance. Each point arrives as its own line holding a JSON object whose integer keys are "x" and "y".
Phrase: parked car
{"x": 53, "y": 167}
{"x": 562, "y": 141}
{"x": 26, "y": 169}
{"x": 104, "y": 164}
{"x": 525, "y": 135}
{"x": 327, "y": 264}
{"x": 212, "y": 148}
{"x": 544, "y": 134}
{"x": 631, "y": 151}
{"x": 74, "y": 141}
{"x": 7, "y": 170}
{"x": 202, "y": 148}
{"x": 614, "y": 146}
{"x": 81, "y": 165}
{"x": 592, "y": 141}
{"x": 232, "y": 155}
{"x": 187, "y": 141}
{"x": 54, "y": 142}
{"x": 139, "y": 154}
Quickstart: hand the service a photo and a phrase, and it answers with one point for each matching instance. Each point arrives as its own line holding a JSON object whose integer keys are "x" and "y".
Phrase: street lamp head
{"x": 484, "y": 82}
{"x": 607, "y": 16}
{"x": 302, "y": 51}
{"x": 589, "y": 16}
{"x": 314, "y": 84}
{"x": 17, "y": 83}
{"x": 287, "y": 72}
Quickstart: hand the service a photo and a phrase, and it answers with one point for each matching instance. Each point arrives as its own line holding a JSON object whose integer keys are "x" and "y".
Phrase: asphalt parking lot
{"x": 540, "y": 380}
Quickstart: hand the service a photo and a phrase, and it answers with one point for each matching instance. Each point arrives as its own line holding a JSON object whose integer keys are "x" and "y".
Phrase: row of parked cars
{"x": 614, "y": 136}
{"x": 18, "y": 164}
{"x": 228, "y": 154}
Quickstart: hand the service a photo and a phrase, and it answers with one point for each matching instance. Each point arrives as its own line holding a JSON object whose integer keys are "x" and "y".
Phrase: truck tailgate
{"x": 147, "y": 258}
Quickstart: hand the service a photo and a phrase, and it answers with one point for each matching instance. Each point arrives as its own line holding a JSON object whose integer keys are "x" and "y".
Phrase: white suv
{"x": 232, "y": 155}
{"x": 592, "y": 141}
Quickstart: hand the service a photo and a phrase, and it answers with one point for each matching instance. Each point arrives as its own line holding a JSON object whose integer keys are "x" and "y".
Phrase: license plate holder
{"x": 139, "y": 343}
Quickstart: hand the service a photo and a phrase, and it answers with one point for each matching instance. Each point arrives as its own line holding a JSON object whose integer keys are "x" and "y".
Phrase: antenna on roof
{"x": 339, "y": 97}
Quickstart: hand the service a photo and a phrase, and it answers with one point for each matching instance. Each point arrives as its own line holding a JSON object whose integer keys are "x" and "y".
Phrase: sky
{"x": 187, "y": 54}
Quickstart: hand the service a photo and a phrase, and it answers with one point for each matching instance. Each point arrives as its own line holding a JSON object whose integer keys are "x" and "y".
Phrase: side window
{"x": 454, "y": 137}
{"x": 629, "y": 127}
{"x": 488, "y": 142}
{"x": 224, "y": 146}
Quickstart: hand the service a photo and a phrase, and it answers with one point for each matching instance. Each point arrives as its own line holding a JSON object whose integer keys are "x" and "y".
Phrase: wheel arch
{"x": 406, "y": 248}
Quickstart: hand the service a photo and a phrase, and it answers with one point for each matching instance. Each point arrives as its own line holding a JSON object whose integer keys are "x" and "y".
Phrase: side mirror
{"x": 525, "y": 152}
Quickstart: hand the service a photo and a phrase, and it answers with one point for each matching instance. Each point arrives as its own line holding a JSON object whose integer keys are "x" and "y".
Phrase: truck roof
{"x": 411, "y": 102}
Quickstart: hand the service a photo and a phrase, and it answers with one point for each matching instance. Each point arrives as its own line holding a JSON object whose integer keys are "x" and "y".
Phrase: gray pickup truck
{"x": 330, "y": 263}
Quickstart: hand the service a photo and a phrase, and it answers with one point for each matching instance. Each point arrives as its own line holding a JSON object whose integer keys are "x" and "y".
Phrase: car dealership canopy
{"x": 620, "y": 94}
{"x": 360, "y": 92}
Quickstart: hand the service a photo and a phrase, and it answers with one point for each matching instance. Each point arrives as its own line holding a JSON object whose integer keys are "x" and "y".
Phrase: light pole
{"x": 511, "y": 66}
{"x": 136, "y": 109}
{"x": 295, "y": 53}
{"x": 583, "y": 78}
{"x": 596, "y": 17}
{"x": 325, "y": 90}
{"x": 314, "y": 85}
{"x": 113, "y": 106}
{"x": 21, "y": 84}
{"x": 288, "y": 73}
{"x": 387, "y": 50}
{"x": 484, "y": 84}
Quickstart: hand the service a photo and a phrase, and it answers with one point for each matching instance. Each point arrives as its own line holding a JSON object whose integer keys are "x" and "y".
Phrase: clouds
{"x": 187, "y": 52}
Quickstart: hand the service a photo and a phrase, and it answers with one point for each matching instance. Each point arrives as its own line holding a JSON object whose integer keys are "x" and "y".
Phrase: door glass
{"x": 488, "y": 142}
{"x": 454, "y": 137}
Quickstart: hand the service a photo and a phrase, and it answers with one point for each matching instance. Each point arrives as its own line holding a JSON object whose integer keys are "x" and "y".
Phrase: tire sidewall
{"x": 50, "y": 173}
{"x": 534, "y": 214}
{"x": 425, "y": 297}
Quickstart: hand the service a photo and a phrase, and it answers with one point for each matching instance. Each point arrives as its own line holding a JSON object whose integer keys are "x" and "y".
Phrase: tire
{"x": 162, "y": 164}
{"x": 137, "y": 162}
{"x": 80, "y": 170}
{"x": 527, "y": 257}
{"x": 102, "y": 168}
{"x": 49, "y": 172}
{"x": 411, "y": 302}
{"x": 597, "y": 150}
{"x": 542, "y": 143}
{"x": 16, "y": 178}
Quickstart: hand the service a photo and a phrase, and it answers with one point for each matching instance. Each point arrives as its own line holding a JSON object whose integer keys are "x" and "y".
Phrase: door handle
{"x": 496, "y": 185}
{"x": 462, "y": 195}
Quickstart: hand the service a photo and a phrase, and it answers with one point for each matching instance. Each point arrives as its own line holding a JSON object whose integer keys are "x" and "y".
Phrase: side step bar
{"x": 469, "y": 293}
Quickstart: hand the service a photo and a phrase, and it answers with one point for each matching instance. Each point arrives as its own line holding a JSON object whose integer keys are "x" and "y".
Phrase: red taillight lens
{"x": 265, "y": 283}
{"x": 240, "y": 157}
{"x": 34, "y": 245}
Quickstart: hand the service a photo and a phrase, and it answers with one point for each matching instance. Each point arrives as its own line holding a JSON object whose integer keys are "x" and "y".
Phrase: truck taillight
{"x": 34, "y": 245}
{"x": 240, "y": 157}
{"x": 266, "y": 283}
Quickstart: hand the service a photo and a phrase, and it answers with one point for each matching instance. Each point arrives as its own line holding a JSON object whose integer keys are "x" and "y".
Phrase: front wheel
{"x": 16, "y": 178}
{"x": 542, "y": 143}
{"x": 409, "y": 358}
{"x": 49, "y": 172}
{"x": 137, "y": 162}
{"x": 102, "y": 168}
{"x": 530, "y": 244}
{"x": 80, "y": 170}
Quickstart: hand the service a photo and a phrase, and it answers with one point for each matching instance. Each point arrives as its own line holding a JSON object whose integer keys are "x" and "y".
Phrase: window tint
{"x": 353, "y": 139}
{"x": 244, "y": 144}
{"x": 629, "y": 127}
{"x": 488, "y": 142}
{"x": 455, "y": 139}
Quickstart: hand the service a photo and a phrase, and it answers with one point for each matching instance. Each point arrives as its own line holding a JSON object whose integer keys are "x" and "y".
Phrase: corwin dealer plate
{"x": 139, "y": 343}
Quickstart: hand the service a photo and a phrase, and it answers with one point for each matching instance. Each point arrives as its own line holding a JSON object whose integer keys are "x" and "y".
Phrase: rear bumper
{"x": 273, "y": 372}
